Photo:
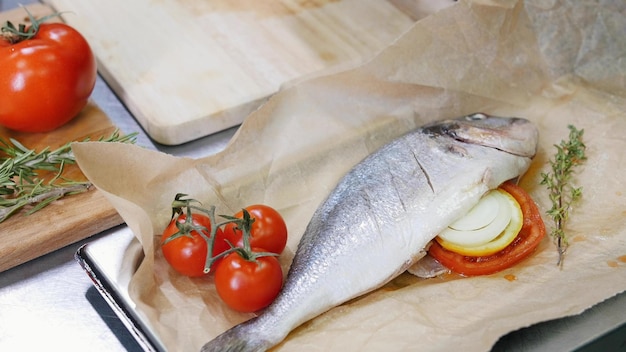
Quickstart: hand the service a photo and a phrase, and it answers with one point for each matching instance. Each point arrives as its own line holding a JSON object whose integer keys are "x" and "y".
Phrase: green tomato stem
{"x": 208, "y": 262}
{"x": 181, "y": 205}
{"x": 22, "y": 32}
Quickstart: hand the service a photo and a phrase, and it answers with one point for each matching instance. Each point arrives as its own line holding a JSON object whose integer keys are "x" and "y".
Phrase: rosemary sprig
{"x": 21, "y": 179}
{"x": 562, "y": 193}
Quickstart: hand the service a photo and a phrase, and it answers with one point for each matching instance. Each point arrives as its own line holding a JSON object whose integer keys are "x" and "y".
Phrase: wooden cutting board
{"x": 68, "y": 220}
{"x": 189, "y": 68}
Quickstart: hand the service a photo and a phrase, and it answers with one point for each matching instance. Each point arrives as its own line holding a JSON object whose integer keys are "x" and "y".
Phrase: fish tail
{"x": 237, "y": 339}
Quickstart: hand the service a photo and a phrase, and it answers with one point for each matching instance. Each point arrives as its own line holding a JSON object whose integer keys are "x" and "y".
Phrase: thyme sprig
{"x": 23, "y": 172}
{"x": 563, "y": 194}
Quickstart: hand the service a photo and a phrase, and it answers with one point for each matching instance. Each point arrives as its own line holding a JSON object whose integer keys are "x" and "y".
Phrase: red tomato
{"x": 532, "y": 232}
{"x": 46, "y": 80}
{"x": 268, "y": 231}
{"x": 248, "y": 285}
{"x": 187, "y": 254}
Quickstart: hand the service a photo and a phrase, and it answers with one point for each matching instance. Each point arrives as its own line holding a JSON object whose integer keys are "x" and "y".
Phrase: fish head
{"x": 512, "y": 135}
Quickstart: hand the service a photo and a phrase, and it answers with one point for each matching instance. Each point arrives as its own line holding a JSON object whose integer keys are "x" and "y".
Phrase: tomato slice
{"x": 532, "y": 232}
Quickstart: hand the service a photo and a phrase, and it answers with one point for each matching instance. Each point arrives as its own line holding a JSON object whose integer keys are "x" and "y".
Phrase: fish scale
{"x": 382, "y": 214}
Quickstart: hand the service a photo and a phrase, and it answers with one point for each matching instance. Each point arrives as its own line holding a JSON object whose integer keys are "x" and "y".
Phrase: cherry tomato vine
{"x": 247, "y": 277}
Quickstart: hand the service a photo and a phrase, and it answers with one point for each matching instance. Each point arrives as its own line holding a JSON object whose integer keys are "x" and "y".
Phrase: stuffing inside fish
{"x": 377, "y": 221}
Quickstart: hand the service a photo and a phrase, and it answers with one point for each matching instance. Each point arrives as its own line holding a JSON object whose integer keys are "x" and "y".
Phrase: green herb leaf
{"x": 562, "y": 193}
{"x": 20, "y": 170}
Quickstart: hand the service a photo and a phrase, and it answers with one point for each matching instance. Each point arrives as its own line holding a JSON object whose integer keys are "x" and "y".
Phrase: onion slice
{"x": 485, "y": 239}
{"x": 481, "y": 215}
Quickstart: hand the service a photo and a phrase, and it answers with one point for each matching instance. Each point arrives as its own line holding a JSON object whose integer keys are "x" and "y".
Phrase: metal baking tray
{"x": 111, "y": 260}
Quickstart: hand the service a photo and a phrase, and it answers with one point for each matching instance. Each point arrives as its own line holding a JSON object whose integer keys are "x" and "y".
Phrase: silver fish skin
{"x": 381, "y": 215}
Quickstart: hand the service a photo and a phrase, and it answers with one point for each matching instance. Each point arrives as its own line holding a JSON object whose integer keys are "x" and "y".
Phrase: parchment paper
{"x": 553, "y": 62}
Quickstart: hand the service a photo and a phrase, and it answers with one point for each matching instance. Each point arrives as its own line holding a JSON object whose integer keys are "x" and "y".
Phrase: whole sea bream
{"x": 378, "y": 220}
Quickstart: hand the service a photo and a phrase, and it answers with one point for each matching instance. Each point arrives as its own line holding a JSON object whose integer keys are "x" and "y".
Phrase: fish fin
{"x": 237, "y": 339}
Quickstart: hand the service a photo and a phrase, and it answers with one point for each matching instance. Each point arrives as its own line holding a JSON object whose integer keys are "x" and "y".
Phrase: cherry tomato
{"x": 45, "y": 80}
{"x": 532, "y": 232}
{"x": 248, "y": 285}
{"x": 268, "y": 231}
{"x": 187, "y": 254}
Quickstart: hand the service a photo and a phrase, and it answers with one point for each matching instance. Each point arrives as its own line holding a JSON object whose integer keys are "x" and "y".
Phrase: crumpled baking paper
{"x": 553, "y": 62}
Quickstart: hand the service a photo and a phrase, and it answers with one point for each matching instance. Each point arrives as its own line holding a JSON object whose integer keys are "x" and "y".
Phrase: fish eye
{"x": 476, "y": 117}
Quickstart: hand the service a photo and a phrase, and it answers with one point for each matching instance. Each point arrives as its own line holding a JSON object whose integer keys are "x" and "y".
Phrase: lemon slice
{"x": 491, "y": 238}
